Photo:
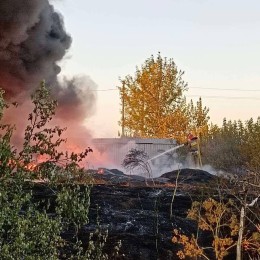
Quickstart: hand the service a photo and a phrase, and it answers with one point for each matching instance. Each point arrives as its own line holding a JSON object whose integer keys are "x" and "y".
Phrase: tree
{"x": 137, "y": 160}
{"x": 27, "y": 229}
{"x": 233, "y": 146}
{"x": 250, "y": 147}
{"x": 153, "y": 102}
{"x": 198, "y": 118}
{"x": 221, "y": 148}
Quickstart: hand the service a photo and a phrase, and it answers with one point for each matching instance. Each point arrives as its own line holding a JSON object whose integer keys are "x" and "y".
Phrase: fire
{"x": 76, "y": 101}
{"x": 41, "y": 159}
{"x": 101, "y": 171}
{"x": 31, "y": 166}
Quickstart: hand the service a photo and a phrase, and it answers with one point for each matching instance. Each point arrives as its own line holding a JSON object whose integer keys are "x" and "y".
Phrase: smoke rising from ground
{"x": 32, "y": 41}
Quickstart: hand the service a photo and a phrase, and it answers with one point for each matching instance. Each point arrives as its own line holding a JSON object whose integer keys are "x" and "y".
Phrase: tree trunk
{"x": 240, "y": 234}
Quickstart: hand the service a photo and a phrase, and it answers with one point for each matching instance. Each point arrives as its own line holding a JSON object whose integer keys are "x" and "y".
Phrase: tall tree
{"x": 199, "y": 118}
{"x": 153, "y": 104}
{"x": 250, "y": 147}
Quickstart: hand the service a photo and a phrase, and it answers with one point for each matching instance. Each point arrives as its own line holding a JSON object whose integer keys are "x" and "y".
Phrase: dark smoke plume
{"x": 32, "y": 41}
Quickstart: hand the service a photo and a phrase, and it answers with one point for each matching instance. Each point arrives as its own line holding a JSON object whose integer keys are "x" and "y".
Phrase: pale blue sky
{"x": 216, "y": 43}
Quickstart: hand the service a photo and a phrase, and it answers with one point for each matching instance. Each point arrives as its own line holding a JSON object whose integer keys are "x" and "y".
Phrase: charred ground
{"x": 137, "y": 212}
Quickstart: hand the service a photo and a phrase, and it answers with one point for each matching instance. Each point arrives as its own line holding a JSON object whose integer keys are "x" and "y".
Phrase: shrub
{"x": 28, "y": 230}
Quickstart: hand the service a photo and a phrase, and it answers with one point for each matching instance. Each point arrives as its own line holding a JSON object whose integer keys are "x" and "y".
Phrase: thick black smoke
{"x": 32, "y": 41}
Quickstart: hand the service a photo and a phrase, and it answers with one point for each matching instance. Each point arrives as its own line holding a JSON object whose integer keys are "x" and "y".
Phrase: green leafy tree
{"x": 221, "y": 149}
{"x": 26, "y": 232}
{"x": 27, "y": 229}
{"x": 233, "y": 146}
{"x": 250, "y": 146}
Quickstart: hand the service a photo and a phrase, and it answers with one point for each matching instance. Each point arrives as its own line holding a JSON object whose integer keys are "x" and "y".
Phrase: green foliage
{"x": 234, "y": 146}
{"x": 39, "y": 139}
{"x": 25, "y": 232}
{"x": 32, "y": 236}
{"x": 250, "y": 144}
{"x": 73, "y": 205}
{"x": 96, "y": 246}
{"x": 27, "y": 229}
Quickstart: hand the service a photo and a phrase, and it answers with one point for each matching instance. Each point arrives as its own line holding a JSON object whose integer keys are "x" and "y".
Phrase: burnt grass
{"x": 139, "y": 215}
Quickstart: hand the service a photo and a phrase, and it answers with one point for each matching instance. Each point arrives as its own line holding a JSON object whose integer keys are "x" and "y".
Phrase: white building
{"x": 116, "y": 148}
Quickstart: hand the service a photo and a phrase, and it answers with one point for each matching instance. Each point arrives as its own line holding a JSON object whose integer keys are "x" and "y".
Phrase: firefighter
{"x": 193, "y": 143}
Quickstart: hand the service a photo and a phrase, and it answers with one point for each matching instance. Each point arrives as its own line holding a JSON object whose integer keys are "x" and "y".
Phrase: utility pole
{"x": 123, "y": 110}
{"x": 199, "y": 153}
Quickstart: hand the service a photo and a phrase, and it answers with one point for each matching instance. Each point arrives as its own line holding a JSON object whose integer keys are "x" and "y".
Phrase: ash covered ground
{"x": 136, "y": 211}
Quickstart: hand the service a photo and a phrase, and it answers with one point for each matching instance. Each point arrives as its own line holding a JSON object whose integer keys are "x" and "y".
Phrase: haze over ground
{"x": 216, "y": 43}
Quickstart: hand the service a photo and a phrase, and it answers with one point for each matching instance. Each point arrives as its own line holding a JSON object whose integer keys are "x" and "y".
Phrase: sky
{"x": 215, "y": 42}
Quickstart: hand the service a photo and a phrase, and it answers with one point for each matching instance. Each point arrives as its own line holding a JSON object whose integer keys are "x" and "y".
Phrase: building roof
{"x": 125, "y": 140}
